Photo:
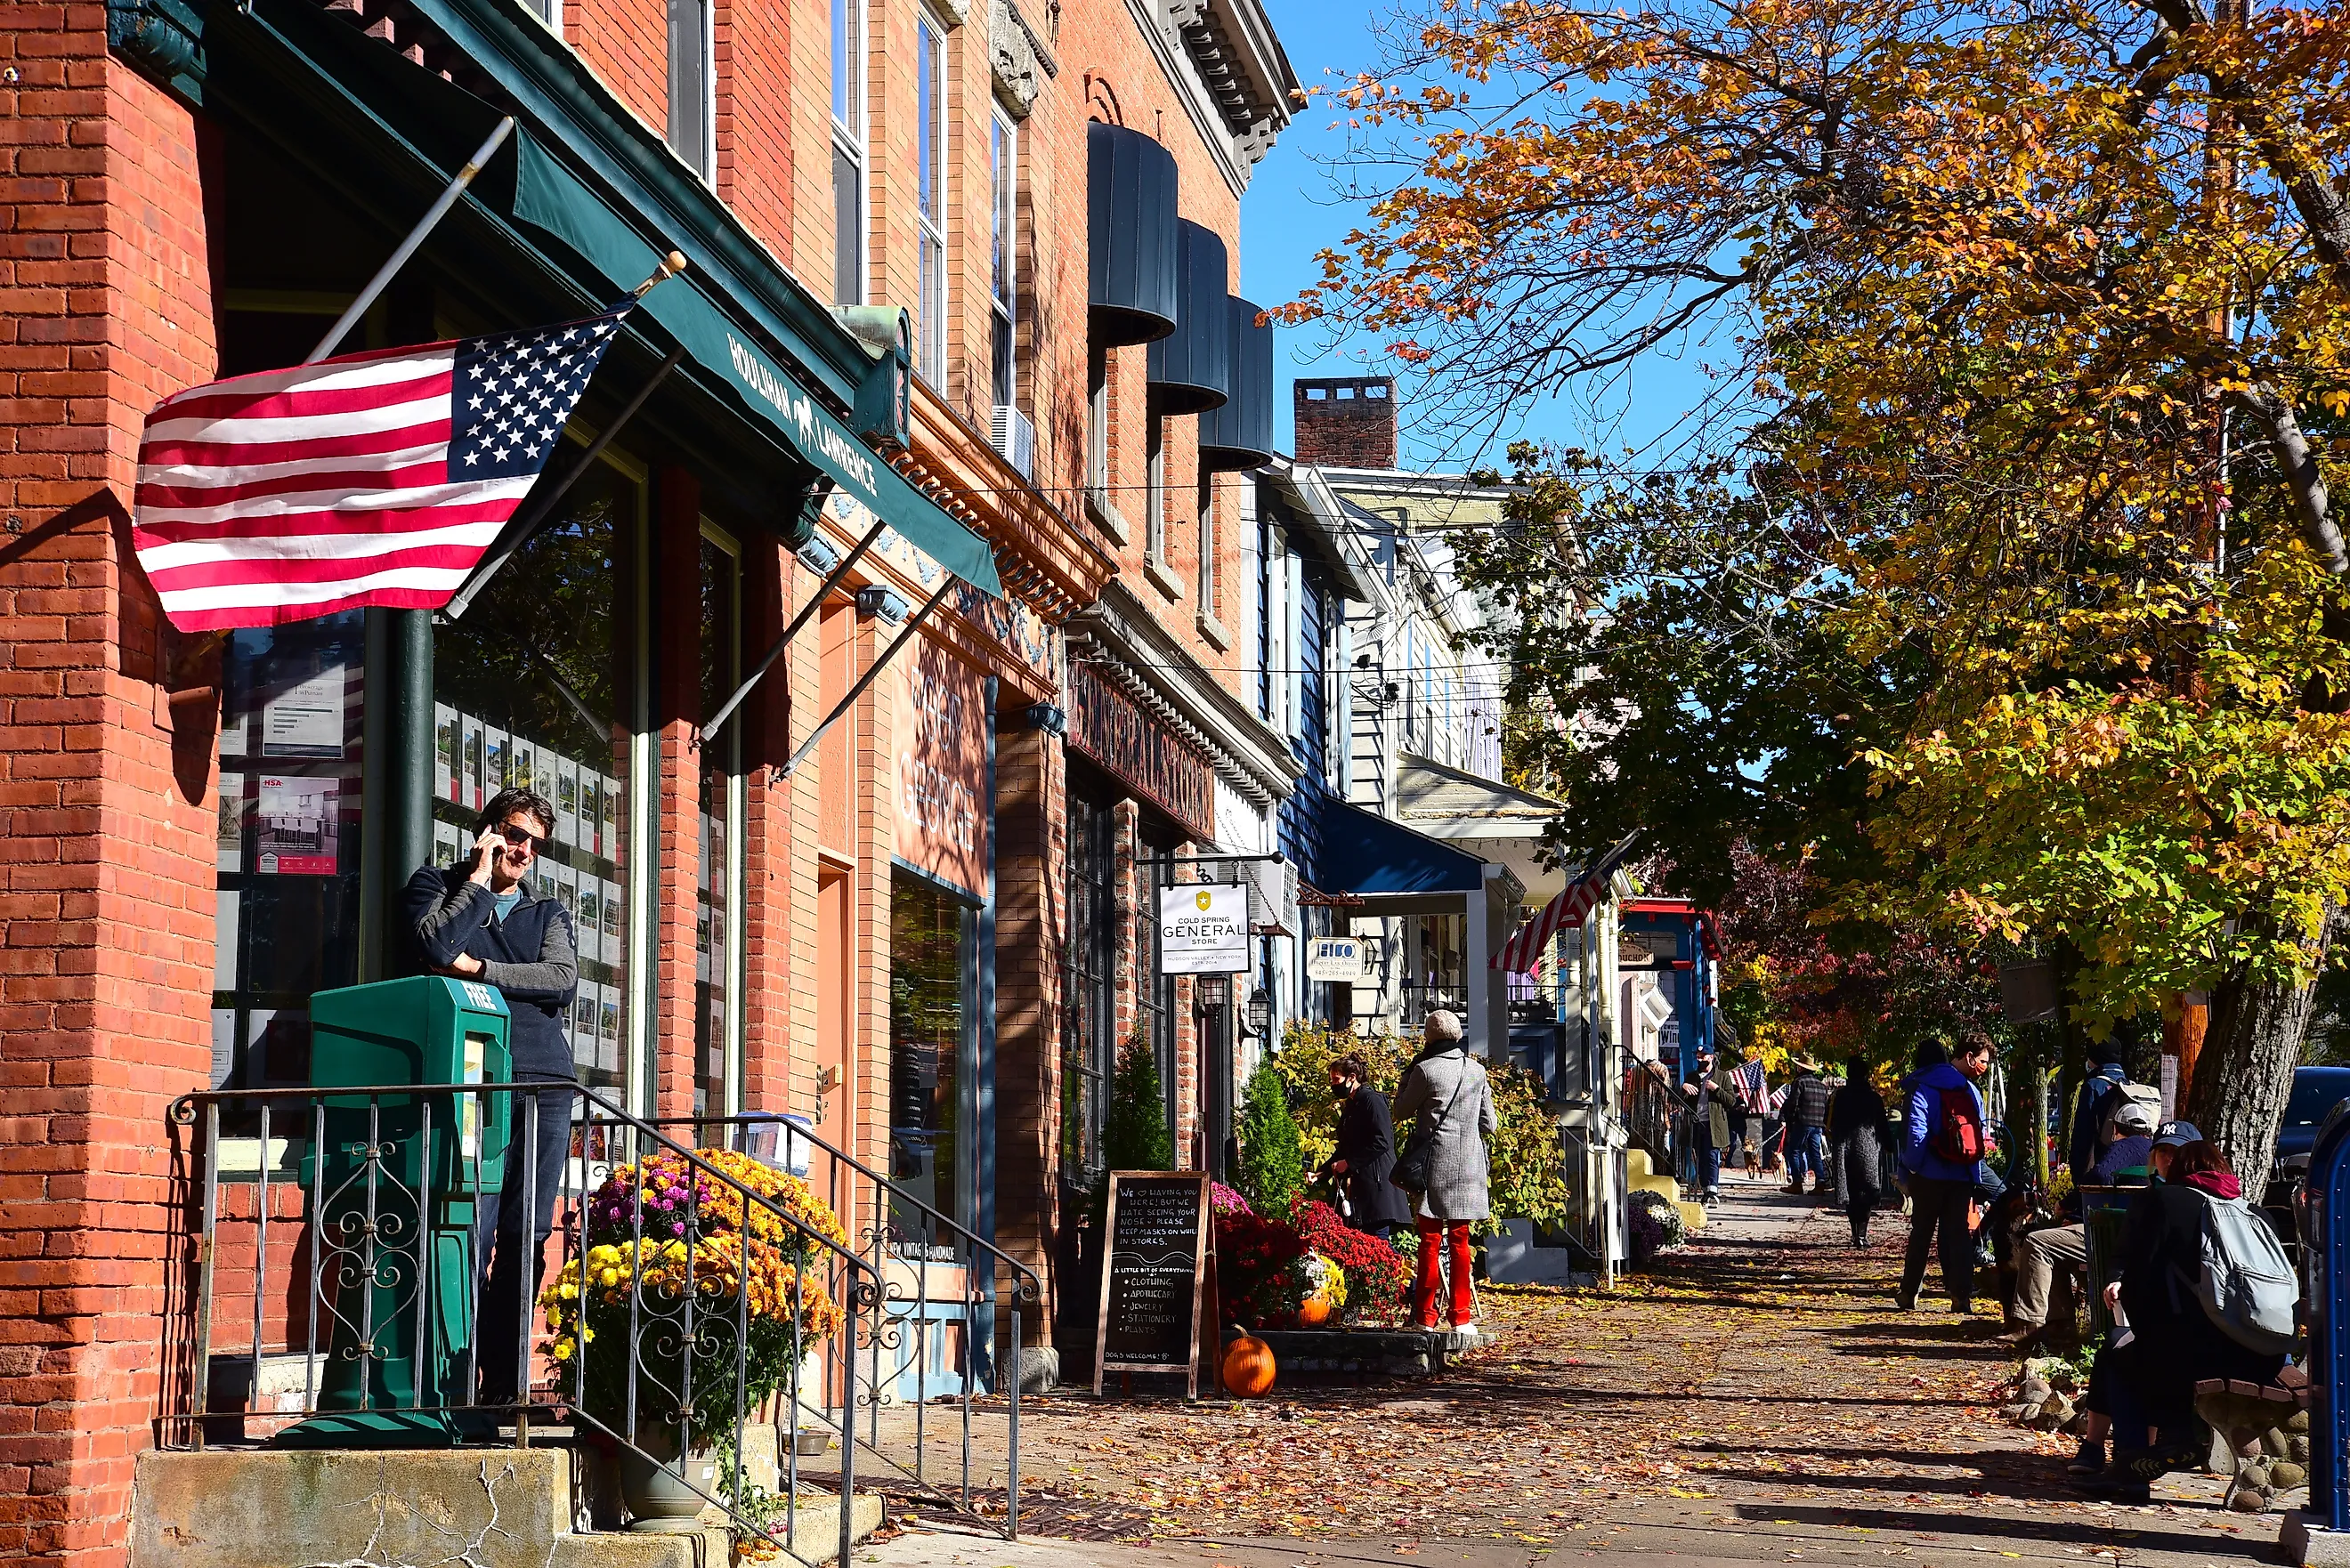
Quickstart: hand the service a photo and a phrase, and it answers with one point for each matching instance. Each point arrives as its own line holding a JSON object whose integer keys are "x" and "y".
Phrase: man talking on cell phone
{"x": 481, "y": 920}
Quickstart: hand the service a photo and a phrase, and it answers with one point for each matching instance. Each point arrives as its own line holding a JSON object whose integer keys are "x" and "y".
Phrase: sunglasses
{"x": 519, "y": 836}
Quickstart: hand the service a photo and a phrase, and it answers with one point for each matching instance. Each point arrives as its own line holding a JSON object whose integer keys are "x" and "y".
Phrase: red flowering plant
{"x": 1254, "y": 1252}
{"x": 1377, "y": 1276}
{"x": 1267, "y": 1265}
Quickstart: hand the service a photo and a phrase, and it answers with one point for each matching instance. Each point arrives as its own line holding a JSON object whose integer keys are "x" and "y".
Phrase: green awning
{"x": 549, "y": 196}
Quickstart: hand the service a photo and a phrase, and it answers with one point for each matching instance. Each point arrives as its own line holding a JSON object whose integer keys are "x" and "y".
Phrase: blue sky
{"x": 1290, "y": 213}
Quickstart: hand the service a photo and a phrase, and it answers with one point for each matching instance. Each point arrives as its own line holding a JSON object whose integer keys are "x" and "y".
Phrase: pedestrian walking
{"x": 1944, "y": 1140}
{"x": 1712, "y": 1105}
{"x": 1805, "y": 1114}
{"x": 1855, "y": 1119}
{"x": 1365, "y": 1158}
{"x": 1445, "y": 1092}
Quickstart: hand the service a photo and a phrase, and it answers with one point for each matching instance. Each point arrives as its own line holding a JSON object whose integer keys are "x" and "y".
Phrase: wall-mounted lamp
{"x": 1048, "y": 718}
{"x": 1256, "y": 1016}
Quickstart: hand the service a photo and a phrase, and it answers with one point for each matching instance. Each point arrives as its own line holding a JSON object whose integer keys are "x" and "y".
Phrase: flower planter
{"x": 658, "y": 1485}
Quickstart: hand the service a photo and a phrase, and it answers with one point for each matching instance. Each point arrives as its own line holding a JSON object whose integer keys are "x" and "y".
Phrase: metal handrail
{"x": 1027, "y": 1290}
{"x": 384, "y": 1249}
{"x": 1033, "y": 1288}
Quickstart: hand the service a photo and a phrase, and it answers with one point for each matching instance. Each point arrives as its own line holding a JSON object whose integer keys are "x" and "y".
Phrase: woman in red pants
{"x": 1446, "y": 1094}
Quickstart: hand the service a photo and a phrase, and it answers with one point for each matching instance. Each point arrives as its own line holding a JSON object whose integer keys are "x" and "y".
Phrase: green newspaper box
{"x": 393, "y": 1233}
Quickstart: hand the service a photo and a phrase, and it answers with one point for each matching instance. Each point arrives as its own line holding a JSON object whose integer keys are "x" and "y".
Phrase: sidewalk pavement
{"x": 1754, "y": 1399}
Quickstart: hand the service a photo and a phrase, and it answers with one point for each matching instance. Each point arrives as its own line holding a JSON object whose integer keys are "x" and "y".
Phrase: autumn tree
{"x": 2033, "y": 317}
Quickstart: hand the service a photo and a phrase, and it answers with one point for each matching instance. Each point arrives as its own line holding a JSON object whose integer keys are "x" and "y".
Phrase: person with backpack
{"x": 2206, "y": 1291}
{"x": 1944, "y": 1140}
{"x": 2093, "y": 1108}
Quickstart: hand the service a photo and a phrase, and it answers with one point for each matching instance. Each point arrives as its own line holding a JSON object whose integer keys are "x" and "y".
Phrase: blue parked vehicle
{"x": 2315, "y": 1092}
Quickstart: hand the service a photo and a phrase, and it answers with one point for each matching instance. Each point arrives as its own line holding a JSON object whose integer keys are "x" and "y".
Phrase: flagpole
{"x": 872, "y": 673}
{"x": 416, "y": 236}
{"x": 712, "y": 725}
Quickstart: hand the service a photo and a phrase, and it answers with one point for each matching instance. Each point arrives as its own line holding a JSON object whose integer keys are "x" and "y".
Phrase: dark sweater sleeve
{"x": 554, "y": 976}
{"x": 444, "y": 918}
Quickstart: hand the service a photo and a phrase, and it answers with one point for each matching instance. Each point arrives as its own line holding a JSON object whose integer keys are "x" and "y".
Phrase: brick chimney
{"x": 1349, "y": 421}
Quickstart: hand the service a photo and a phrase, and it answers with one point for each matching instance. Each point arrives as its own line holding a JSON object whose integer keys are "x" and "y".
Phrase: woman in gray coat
{"x": 1445, "y": 1091}
{"x": 1856, "y": 1122}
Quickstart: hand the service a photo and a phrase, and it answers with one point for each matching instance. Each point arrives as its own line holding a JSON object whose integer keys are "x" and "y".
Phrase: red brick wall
{"x": 1347, "y": 422}
{"x": 677, "y": 709}
{"x": 106, "y": 810}
{"x": 1031, "y": 929}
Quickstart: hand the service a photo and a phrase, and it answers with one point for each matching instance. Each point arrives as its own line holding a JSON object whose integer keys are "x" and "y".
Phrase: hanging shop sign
{"x": 1111, "y": 728}
{"x": 1203, "y": 929}
{"x": 1334, "y": 958}
{"x": 944, "y": 813}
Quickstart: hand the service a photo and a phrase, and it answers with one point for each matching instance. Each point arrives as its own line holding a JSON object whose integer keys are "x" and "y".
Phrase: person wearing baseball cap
{"x": 2176, "y": 1135}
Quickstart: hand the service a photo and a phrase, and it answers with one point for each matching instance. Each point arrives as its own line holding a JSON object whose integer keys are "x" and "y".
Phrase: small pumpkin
{"x": 1313, "y": 1311}
{"x": 1248, "y": 1367}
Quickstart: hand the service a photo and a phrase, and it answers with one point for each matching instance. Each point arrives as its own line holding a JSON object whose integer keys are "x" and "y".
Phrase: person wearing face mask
{"x": 482, "y": 919}
{"x": 1365, "y": 1152}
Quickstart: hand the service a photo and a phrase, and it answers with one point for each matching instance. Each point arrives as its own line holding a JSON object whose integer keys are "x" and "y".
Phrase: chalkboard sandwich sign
{"x": 1154, "y": 1275}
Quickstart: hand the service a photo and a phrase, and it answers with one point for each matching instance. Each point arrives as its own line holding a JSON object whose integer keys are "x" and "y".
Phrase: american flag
{"x": 372, "y": 479}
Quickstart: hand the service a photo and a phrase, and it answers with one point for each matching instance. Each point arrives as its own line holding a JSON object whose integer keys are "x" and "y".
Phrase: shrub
{"x": 1136, "y": 1137}
{"x": 1272, "y": 1175}
{"x": 1527, "y": 1156}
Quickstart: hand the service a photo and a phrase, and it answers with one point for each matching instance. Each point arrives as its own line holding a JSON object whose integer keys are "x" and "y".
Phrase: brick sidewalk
{"x": 1756, "y": 1399}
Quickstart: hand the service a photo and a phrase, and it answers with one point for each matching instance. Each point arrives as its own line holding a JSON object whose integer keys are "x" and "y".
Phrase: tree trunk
{"x": 2245, "y": 1070}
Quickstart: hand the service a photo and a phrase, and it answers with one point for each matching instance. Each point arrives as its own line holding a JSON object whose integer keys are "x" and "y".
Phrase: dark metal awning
{"x": 1191, "y": 370}
{"x": 1130, "y": 185}
{"x": 1364, "y": 853}
{"x": 1239, "y": 436}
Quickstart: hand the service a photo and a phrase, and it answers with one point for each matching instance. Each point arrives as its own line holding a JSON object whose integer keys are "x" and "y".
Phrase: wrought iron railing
{"x": 948, "y": 1297}
{"x": 1418, "y": 1000}
{"x": 698, "y": 1304}
{"x": 1656, "y": 1117}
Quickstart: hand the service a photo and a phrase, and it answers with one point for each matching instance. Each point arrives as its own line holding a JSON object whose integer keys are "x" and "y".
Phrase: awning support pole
{"x": 823, "y": 592}
{"x": 542, "y": 502}
{"x": 416, "y": 236}
{"x": 914, "y": 623}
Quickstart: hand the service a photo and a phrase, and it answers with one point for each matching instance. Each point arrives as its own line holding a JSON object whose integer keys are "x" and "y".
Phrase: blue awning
{"x": 1364, "y": 853}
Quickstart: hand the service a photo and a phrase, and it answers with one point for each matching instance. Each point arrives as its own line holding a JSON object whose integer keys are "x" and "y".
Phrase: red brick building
{"x": 197, "y": 832}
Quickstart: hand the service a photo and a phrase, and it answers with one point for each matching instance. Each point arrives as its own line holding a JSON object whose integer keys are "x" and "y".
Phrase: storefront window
{"x": 932, "y": 943}
{"x": 718, "y": 901}
{"x": 1154, "y": 993}
{"x": 536, "y": 687}
{"x": 1090, "y": 1031}
{"x": 288, "y": 899}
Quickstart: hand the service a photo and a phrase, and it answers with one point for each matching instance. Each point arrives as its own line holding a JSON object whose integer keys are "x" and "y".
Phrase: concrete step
{"x": 486, "y": 1507}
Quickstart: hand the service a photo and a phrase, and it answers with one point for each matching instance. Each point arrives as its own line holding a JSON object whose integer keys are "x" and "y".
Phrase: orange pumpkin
{"x": 1248, "y": 1367}
{"x": 1313, "y": 1311}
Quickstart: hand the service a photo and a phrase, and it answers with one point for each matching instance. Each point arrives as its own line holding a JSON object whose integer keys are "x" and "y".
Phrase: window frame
{"x": 1205, "y": 536}
{"x": 848, "y": 148}
{"x": 1154, "y": 489}
{"x": 1004, "y": 257}
{"x": 933, "y": 90}
{"x": 703, "y": 157}
{"x": 728, "y": 956}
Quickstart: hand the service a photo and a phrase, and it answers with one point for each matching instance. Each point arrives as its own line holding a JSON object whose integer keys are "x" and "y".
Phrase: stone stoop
{"x": 1642, "y": 1176}
{"x": 485, "y": 1508}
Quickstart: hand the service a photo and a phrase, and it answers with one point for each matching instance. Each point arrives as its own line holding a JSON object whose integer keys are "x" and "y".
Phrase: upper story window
{"x": 931, "y": 196}
{"x": 1154, "y": 498}
{"x": 692, "y": 85}
{"x": 1207, "y": 539}
{"x": 1004, "y": 292}
{"x": 847, "y": 153}
{"x": 1098, "y": 425}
